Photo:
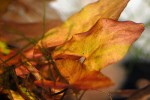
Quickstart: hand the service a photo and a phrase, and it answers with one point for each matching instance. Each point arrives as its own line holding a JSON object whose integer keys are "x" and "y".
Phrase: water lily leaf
{"x": 107, "y": 42}
{"x": 77, "y": 76}
{"x": 83, "y": 21}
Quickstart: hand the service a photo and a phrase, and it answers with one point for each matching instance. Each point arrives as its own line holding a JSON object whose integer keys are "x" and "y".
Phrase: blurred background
{"x": 33, "y": 17}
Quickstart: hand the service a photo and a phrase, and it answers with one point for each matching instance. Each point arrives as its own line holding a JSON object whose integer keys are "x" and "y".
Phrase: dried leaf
{"x": 77, "y": 76}
{"x": 83, "y": 21}
{"x": 107, "y": 42}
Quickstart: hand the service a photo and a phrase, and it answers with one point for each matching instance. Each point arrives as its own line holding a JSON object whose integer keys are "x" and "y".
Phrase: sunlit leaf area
{"x": 74, "y": 50}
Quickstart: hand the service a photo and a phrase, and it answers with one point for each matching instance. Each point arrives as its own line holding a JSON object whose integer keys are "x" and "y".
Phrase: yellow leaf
{"x": 27, "y": 93}
{"x": 83, "y": 21}
{"x": 92, "y": 34}
{"x": 16, "y": 95}
{"x": 77, "y": 76}
{"x": 105, "y": 43}
{"x": 3, "y": 48}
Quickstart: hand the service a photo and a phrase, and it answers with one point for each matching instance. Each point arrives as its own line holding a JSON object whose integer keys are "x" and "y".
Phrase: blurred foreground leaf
{"x": 16, "y": 34}
{"x": 26, "y": 92}
{"x": 16, "y": 96}
{"x": 3, "y": 48}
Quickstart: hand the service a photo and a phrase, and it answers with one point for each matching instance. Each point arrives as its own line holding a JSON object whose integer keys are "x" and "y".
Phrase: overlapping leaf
{"x": 89, "y": 35}
{"x": 83, "y": 21}
{"x": 107, "y": 42}
{"x": 77, "y": 76}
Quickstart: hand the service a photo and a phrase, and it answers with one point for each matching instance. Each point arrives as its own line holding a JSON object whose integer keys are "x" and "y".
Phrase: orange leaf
{"x": 92, "y": 80}
{"x": 21, "y": 71}
{"x": 83, "y": 21}
{"x": 107, "y": 42}
{"x": 7, "y": 61}
{"x": 51, "y": 84}
{"x": 77, "y": 76}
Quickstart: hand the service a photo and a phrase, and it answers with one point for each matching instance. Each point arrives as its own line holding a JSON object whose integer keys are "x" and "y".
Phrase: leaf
{"x": 21, "y": 71}
{"x": 26, "y": 68}
{"x": 3, "y": 48}
{"x": 77, "y": 76}
{"x": 27, "y": 93}
{"x": 51, "y": 84}
{"x": 16, "y": 96}
{"x": 21, "y": 31}
{"x": 5, "y": 59}
{"x": 107, "y": 42}
{"x": 83, "y": 21}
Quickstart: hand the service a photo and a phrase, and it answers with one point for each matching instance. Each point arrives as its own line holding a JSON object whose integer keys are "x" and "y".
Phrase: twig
{"x": 142, "y": 94}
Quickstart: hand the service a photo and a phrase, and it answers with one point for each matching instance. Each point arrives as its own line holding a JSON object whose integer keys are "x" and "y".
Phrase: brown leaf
{"x": 11, "y": 31}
